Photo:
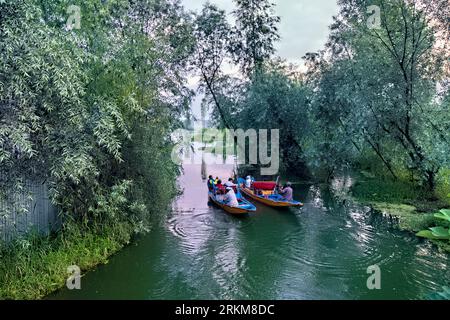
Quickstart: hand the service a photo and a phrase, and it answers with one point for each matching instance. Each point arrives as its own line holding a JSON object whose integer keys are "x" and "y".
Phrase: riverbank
{"x": 413, "y": 208}
{"x": 34, "y": 267}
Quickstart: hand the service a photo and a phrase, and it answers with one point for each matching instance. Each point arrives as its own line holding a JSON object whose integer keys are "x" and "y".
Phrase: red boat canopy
{"x": 266, "y": 185}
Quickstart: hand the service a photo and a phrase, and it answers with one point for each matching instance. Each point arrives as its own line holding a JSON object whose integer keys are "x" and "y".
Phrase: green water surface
{"x": 321, "y": 251}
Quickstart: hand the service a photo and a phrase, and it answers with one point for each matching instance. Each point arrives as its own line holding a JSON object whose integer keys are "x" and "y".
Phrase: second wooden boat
{"x": 264, "y": 192}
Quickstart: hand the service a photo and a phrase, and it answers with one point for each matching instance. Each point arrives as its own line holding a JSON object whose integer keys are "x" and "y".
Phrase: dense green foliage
{"x": 276, "y": 98}
{"x": 91, "y": 110}
{"x": 375, "y": 98}
{"x": 378, "y": 87}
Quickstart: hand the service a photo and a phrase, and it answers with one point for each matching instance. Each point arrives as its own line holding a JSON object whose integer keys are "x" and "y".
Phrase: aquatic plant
{"x": 443, "y": 214}
{"x": 439, "y": 232}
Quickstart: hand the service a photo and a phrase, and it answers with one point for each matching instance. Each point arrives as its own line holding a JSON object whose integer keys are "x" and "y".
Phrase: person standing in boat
{"x": 287, "y": 192}
{"x": 230, "y": 198}
{"x": 210, "y": 183}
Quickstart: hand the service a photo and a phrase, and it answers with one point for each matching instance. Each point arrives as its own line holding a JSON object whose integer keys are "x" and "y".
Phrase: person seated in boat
{"x": 230, "y": 197}
{"x": 287, "y": 192}
{"x": 220, "y": 190}
{"x": 220, "y": 187}
{"x": 230, "y": 183}
{"x": 248, "y": 182}
{"x": 216, "y": 181}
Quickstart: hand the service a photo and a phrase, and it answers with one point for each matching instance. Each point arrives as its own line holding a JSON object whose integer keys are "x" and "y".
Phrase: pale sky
{"x": 303, "y": 27}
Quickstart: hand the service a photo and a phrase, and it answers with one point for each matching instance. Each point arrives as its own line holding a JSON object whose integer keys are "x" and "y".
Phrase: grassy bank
{"x": 35, "y": 267}
{"x": 413, "y": 206}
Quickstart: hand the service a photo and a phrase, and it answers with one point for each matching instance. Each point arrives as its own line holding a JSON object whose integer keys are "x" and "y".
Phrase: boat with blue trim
{"x": 265, "y": 192}
{"x": 244, "y": 206}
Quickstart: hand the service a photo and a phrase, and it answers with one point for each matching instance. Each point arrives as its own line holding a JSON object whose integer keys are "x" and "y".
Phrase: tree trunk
{"x": 216, "y": 101}
{"x": 431, "y": 179}
{"x": 385, "y": 162}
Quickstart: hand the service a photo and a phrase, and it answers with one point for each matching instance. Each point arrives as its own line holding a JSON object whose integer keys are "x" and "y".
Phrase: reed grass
{"x": 36, "y": 266}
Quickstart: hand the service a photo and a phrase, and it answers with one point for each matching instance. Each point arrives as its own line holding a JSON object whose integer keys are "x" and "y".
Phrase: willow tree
{"x": 91, "y": 109}
{"x": 41, "y": 97}
{"x": 212, "y": 35}
{"x": 383, "y": 91}
{"x": 255, "y": 34}
{"x": 276, "y": 99}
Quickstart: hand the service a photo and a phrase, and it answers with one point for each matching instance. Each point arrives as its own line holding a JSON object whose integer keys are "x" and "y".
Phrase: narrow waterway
{"x": 321, "y": 251}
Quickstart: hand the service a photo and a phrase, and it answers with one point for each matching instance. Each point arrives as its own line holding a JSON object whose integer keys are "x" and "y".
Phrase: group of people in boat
{"x": 226, "y": 192}
{"x": 223, "y": 192}
{"x": 285, "y": 191}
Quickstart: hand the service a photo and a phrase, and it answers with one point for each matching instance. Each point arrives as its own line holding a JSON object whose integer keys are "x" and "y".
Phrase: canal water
{"x": 321, "y": 251}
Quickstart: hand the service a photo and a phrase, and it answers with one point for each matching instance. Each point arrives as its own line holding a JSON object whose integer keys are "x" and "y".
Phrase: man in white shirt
{"x": 230, "y": 198}
{"x": 230, "y": 183}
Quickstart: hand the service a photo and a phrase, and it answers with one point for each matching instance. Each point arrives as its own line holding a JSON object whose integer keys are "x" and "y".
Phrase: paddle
{"x": 236, "y": 177}
{"x": 276, "y": 185}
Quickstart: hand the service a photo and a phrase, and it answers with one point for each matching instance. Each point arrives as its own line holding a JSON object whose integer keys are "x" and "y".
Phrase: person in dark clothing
{"x": 210, "y": 183}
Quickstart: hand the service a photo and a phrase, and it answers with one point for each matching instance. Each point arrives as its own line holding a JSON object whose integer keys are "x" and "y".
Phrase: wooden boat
{"x": 245, "y": 206}
{"x": 266, "y": 194}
